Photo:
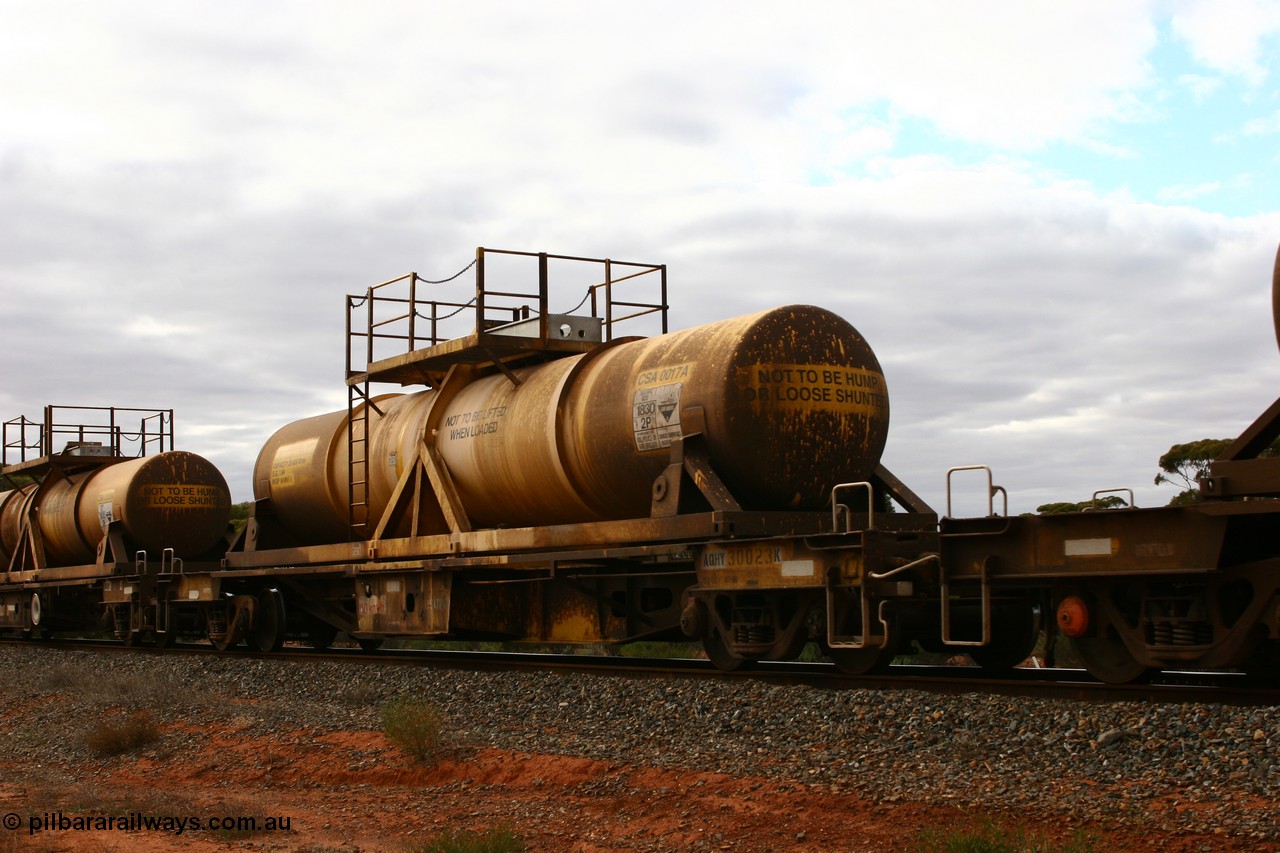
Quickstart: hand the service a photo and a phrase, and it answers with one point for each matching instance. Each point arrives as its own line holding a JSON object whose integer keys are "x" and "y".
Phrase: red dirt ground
{"x": 351, "y": 791}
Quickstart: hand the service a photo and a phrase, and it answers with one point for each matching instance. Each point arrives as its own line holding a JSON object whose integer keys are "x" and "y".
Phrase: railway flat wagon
{"x": 1195, "y": 586}
{"x": 549, "y": 478}
{"x": 102, "y": 519}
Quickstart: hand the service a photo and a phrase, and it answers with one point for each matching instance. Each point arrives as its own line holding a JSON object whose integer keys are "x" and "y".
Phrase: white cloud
{"x": 1229, "y": 38}
{"x": 1200, "y": 86}
{"x": 319, "y": 95}
{"x": 1263, "y": 126}
{"x": 145, "y": 326}
{"x": 1010, "y": 75}
{"x": 1183, "y": 192}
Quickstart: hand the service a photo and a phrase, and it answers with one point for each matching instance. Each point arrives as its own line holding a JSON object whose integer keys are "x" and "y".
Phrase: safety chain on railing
{"x": 461, "y": 308}
{"x": 452, "y": 277}
{"x": 585, "y": 297}
{"x": 154, "y": 430}
{"x": 356, "y": 301}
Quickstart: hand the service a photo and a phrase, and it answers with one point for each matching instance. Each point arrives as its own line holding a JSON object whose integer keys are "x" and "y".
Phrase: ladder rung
{"x": 357, "y": 458}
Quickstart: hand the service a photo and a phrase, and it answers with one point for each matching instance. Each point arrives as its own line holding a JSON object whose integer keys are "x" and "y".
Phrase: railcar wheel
{"x": 1264, "y": 663}
{"x": 718, "y": 651}
{"x": 1109, "y": 660}
{"x": 269, "y": 621}
{"x": 369, "y": 645}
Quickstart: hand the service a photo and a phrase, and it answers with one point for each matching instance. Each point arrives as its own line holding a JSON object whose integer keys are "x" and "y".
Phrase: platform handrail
{"x": 837, "y": 508}
{"x": 170, "y": 563}
{"x": 992, "y": 490}
{"x": 984, "y": 597}
{"x": 1093, "y": 502}
{"x": 391, "y": 310}
{"x": 906, "y": 567}
{"x": 65, "y": 428}
{"x": 864, "y": 640}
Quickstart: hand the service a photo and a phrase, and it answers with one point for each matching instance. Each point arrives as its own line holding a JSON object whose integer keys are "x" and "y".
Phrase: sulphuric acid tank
{"x": 175, "y": 500}
{"x": 793, "y": 401}
{"x": 12, "y": 505}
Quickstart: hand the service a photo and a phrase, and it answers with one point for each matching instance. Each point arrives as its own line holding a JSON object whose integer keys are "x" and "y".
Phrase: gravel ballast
{"x": 1201, "y": 768}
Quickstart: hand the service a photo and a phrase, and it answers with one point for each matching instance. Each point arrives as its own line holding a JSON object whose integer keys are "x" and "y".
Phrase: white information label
{"x": 1088, "y": 547}
{"x": 655, "y": 414}
{"x": 797, "y": 568}
{"x": 106, "y": 508}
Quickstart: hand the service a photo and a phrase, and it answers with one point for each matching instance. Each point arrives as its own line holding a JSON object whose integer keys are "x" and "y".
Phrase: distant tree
{"x": 1186, "y": 496}
{"x": 240, "y": 515}
{"x": 1057, "y": 508}
{"x": 14, "y": 481}
{"x": 1109, "y": 502}
{"x": 1187, "y": 464}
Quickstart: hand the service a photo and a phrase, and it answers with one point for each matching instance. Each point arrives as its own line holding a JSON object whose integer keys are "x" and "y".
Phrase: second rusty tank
{"x": 174, "y": 499}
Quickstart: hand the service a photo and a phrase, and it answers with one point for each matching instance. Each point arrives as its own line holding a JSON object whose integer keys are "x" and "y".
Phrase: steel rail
{"x": 1045, "y": 683}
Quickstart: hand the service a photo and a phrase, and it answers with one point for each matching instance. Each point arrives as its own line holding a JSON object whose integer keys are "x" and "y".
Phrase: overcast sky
{"x": 1054, "y": 222}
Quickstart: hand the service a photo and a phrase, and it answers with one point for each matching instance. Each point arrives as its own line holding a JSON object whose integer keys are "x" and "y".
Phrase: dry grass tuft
{"x": 415, "y": 726}
{"x": 115, "y": 737}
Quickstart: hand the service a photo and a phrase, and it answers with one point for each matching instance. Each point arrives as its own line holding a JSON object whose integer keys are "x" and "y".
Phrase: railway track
{"x": 1043, "y": 682}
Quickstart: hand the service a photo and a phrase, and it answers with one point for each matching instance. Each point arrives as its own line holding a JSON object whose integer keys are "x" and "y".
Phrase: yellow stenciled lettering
{"x": 816, "y": 387}
{"x": 664, "y": 375}
{"x": 179, "y": 496}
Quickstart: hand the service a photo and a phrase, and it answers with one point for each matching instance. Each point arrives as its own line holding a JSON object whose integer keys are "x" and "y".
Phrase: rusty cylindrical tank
{"x": 793, "y": 399}
{"x": 172, "y": 500}
{"x": 12, "y": 509}
{"x": 303, "y": 467}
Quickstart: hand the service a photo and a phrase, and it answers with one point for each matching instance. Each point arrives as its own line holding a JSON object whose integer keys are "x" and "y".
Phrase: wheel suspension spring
{"x": 1182, "y": 633}
{"x": 217, "y": 622}
{"x": 755, "y": 634}
{"x": 1192, "y": 634}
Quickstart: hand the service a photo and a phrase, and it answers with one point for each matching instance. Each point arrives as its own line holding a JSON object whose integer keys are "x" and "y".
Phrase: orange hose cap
{"x": 1073, "y": 616}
